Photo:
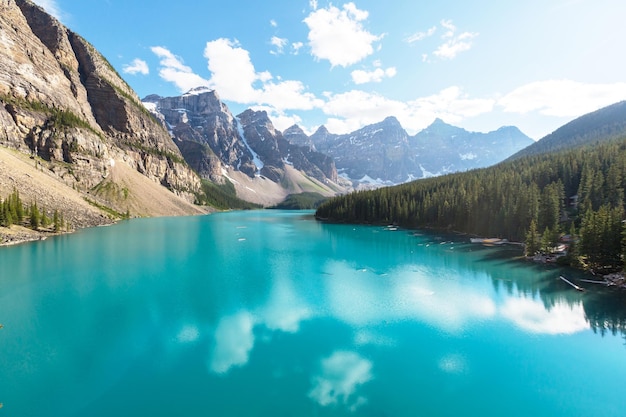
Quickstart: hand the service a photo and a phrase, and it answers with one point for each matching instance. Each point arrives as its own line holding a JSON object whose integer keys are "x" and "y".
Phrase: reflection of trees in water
{"x": 605, "y": 309}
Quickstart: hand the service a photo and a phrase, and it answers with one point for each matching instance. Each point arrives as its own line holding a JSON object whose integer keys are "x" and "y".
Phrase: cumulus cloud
{"x": 233, "y": 75}
{"x": 338, "y": 35}
{"x": 340, "y": 376}
{"x": 232, "y": 72}
{"x": 138, "y": 66}
{"x": 175, "y": 71}
{"x": 562, "y": 98}
{"x": 375, "y": 76}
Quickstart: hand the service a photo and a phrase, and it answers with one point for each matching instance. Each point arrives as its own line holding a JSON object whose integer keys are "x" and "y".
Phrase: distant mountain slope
{"x": 65, "y": 107}
{"x": 384, "y": 154}
{"x": 599, "y": 126}
{"x": 442, "y": 148}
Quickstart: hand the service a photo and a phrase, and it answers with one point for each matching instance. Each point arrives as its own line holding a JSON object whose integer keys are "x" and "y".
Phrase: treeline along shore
{"x": 575, "y": 195}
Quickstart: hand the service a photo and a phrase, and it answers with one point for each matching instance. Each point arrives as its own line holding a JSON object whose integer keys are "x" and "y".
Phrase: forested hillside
{"x": 599, "y": 126}
{"x": 533, "y": 199}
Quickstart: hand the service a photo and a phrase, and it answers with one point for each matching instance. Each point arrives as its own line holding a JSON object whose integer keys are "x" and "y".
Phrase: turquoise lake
{"x": 266, "y": 313}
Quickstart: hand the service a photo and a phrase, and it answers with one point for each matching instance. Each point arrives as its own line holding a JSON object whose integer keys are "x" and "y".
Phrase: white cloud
{"x": 279, "y": 45}
{"x": 234, "y": 339}
{"x": 51, "y": 7}
{"x": 376, "y": 76}
{"x": 232, "y": 72}
{"x": 339, "y": 36}
{"x": 532, "y": 316}
{"x": 313, "y": 4}
{"x": 416, "y": 37}
{"x": 273, "y": 23}
{"x": 454, "y": 44}
{"x": 354, "y": 109}
{"x": 234, "y": 77}
{"x": 173, "y": 70}
{"x": 562, "y": 98}
{"x": 138, "y": 66}
{"x": 296, "y": 46}
{"x": 341, "y": 374}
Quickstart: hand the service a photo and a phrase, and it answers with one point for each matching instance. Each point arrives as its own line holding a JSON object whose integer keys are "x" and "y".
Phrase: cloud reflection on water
{"x": 340, "y": 375}
{"x": 234, "y": 339}
{"x": 533, "y": 316}
{"x": 362, "y": 299}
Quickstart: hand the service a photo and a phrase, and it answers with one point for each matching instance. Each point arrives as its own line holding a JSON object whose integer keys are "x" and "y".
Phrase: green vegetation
{"x": 222, "y": 197}
{"x": 302, "y": 201}
{"x": 60, "y": 119}
{"x": 114, "y": 214}
{"x": 154, "y": 151}
{"x": 535, "y": 199}
{"x": 12, "y": 211}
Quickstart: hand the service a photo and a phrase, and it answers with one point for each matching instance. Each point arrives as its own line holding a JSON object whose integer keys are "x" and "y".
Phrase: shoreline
{"x": 18, "y": 235}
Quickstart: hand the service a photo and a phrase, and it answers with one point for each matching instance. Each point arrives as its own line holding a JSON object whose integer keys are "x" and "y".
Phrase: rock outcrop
{"x": 63, "y": 103}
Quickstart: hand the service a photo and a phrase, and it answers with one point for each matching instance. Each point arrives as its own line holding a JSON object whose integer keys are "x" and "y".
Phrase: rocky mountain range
{"x": 215, "y": 142}
{"x": 384, "y": 153}
{"x": 74, "y": 119}
{"x": 246, "y": 150}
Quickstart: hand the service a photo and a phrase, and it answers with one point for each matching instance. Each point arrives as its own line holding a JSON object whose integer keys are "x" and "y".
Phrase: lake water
{"x": 266, "y": 313}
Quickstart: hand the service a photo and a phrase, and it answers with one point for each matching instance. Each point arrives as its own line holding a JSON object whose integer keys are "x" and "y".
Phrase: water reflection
{"x": 339, "y": 377}
{"x": 324, "y": 320}
{"x": 234, "y": 340}
{"x": 533, "y": 316}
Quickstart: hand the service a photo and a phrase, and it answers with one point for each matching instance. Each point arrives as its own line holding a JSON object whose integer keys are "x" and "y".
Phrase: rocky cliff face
{"x": 212, "y": 139}
{"x": 63, "y": 103}
{"x": 384, "y": 154}
{"x": 378, "y": 151}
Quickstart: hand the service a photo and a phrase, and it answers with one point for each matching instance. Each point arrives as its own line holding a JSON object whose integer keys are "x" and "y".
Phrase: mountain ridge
{"x": 600, "y": 125}
{"x": 65, "y": 108}
{"x": 384, "y": 153}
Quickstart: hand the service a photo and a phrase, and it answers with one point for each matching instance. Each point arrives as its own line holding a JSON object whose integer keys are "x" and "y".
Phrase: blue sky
{"x": 476, "y": 64}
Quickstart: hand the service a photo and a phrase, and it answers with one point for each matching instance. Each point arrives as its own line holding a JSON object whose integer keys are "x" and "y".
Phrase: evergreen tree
{"x": 532, "y": 244}
{"x": 56, "y": 221}
{"x": 34, "y": 216}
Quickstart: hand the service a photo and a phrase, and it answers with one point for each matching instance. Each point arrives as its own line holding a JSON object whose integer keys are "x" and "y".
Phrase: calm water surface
{"x": 268, "y": 313}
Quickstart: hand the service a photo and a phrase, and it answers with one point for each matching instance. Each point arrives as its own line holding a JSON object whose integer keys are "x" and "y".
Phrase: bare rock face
{"x": 61, "y": 101}
{"x": 211, "y": 138}
{"x": 205, "y": 131}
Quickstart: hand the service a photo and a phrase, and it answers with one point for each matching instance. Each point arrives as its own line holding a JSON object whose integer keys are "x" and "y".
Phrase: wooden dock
{"x": 571, "y": 283}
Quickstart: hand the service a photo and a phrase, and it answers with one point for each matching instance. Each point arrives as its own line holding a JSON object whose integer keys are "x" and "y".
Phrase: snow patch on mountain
{"x": 255, "y": 157}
